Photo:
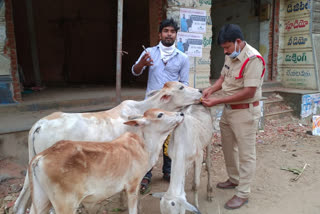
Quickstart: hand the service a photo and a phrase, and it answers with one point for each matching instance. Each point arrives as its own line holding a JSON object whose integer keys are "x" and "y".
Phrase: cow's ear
{"x": 131, "y": 123}
{"x": 158, "y": 194}
{"x": 166, "y": 98}
{"x": 152, "y": 93}
{"x": 132, "y": 117}
{"x": 136, "y": 122}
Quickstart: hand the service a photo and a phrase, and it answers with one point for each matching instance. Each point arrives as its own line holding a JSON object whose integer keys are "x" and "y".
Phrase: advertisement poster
{"x": 193, "y": 21}
{"x": 310, "y": 104}
{"x": 190, "y": 43}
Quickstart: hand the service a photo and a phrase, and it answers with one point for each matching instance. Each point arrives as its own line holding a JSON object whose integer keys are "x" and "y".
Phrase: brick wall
{"x": 10, "y": 50}
{"x": 157, "y": 12}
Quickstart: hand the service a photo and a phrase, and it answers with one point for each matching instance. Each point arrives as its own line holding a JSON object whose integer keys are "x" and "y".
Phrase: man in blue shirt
{"x": 184, "y": 25}
{"x": 166, "y": 63}
{"x": 180, "y": 45}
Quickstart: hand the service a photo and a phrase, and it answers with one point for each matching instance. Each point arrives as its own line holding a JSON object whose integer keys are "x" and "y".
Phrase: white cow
{"x": 74, "y": 172}
{"x": 186, "y": 149}
{"x": 99, "y": 126}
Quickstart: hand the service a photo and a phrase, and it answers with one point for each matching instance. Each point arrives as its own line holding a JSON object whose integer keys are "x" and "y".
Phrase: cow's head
{"x": 174, "y": 204}
{"x": 175, "y": 95}
{"x": 156, "y": 125}
{"x": 157, "y": 120}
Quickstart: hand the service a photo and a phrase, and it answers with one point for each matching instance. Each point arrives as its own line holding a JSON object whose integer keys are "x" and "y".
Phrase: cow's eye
{"x": 172, "y": 203}
{"x": 182, "y": 87}
{"x": 160, "y": 115}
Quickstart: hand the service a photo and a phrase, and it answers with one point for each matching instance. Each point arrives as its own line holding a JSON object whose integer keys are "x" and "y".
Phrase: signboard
{"x": 296, "y": 58}
{"x": 295, "y": 24}
{"x": 190, "y": 43}
{"x": 310, "y": 104}
{"x": 296, "y": 7}
{"x": 192, "y": 20}
{"x": 303, "y": 78}
{"x": 201, "y": 80}
{"x": 296, "y": 41}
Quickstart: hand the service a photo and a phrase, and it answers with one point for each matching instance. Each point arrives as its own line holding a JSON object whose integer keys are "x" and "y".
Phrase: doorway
{"x": 244, "y": 13}
{"x": 76, "y": 40}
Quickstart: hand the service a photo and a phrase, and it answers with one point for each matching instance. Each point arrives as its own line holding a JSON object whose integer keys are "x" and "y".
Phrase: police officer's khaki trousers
{"x": 238, "y": 134}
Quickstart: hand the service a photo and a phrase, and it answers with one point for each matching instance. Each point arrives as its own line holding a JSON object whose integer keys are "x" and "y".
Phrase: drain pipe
{"x": 119, "y": 51}
{"x": 273, "y": 40}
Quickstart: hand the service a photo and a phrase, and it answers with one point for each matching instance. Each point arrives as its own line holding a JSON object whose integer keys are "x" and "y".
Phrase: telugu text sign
{"x": 298, "y": 78}
{"x": 296, "y": 58}
{"x": 294, "y": 41}
{"x": 295, "y": 7}
{"x": 295, "y": 25}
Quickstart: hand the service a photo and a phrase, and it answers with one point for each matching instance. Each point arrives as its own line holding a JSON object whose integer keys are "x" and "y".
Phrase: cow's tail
{"x": 31, "y": 141}
{"x": 24, "y": 198}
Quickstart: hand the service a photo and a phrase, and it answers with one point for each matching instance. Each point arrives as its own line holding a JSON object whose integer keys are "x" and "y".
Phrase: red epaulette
{"x": 245, "y": 63}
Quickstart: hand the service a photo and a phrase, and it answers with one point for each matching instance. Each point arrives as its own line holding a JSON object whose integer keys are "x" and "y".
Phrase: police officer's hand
{"x": 208, "y": 102}
{"x": 146, "y": 60}
{"x": 206, "y": 92}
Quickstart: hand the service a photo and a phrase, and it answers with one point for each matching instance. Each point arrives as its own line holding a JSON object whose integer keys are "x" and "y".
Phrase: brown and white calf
{"x": 186, "y": 149}
{"x": 74, "y": 172}
{"x": 99, "y": 126}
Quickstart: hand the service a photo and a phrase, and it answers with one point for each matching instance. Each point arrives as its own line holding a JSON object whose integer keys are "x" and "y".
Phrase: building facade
{"x": 68, "y": 44}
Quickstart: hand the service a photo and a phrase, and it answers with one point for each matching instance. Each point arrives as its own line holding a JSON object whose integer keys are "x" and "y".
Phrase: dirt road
{"x": 284, "y": 144}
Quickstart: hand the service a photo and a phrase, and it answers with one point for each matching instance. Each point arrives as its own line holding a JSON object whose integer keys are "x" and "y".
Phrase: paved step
{"x": 278, "y": 114}
{"x": 21, "y": 116}
{"x": 275, "y": 107}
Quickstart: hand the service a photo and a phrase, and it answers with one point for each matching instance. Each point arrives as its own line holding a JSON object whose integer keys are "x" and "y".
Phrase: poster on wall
{"x": 310, "y": 105}
{"x": 193, "y": 21}
{"x": 190, "y": 43}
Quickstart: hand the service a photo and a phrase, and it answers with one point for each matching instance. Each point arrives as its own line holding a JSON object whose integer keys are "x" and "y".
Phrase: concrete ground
{"x": 283, "y": 144}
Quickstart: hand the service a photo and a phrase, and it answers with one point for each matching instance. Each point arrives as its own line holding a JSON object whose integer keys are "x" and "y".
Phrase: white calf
{"x": 74, "y": 172}
{"x": 185, "y": 150}
{"x": 99, "y": 126}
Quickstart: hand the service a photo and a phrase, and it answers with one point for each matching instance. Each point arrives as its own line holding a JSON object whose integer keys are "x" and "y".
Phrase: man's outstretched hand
{"x": 208, "y": 102}
{"x": 146, "y": 60}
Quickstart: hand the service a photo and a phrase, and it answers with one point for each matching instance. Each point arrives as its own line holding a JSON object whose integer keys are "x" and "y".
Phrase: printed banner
{"x": 192, "y": 20}
{"x": 310, "y": 105}
{"x": 190, "y": 43}
{"x": 316, "y": 125}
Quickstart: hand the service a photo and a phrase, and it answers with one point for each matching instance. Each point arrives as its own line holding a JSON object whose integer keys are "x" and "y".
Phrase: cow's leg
{"x": 24, "y": 199}
{"x": 65, "y": 207}
{"x": 197, "y": 171}
{"x": 40, "y": 200}
{"x": 63, "y": 202}
{"x": 208, "y": 168}
{"x": 133, "y": 199}
{"x": 122, "y": 198}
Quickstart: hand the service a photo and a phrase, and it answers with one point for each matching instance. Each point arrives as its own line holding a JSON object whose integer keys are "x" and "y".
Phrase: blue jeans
{"x": 166, "y": 167}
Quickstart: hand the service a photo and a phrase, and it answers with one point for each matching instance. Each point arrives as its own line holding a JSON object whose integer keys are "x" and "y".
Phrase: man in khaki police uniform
{"x": 239, "y": 121}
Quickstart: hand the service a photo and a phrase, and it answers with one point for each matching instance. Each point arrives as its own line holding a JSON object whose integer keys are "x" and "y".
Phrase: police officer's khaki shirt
{"x": 251, "y": 74}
